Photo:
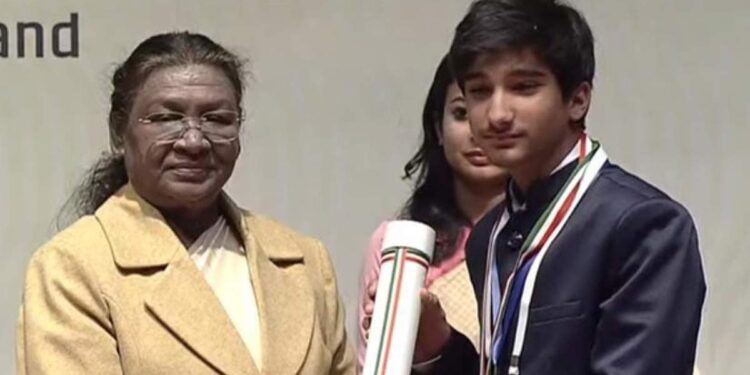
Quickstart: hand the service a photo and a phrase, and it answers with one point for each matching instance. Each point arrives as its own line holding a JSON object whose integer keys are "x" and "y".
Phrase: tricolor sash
{"x": 497, "y": 309}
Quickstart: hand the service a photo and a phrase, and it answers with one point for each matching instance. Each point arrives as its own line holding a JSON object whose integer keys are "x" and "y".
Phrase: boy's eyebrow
{"x": 474, "y": 75}
{"x": 520, "y": 72}
{"x": 527, "y": 73}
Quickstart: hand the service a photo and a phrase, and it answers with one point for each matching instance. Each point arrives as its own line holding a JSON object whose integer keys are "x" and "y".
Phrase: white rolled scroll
{"x": 405, "y": 256}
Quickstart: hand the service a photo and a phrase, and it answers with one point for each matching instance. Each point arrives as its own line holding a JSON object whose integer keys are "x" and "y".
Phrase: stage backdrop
{"x": 334, "y": 113}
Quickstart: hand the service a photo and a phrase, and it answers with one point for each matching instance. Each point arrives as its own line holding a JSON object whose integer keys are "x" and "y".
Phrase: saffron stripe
{"x": 415, "y": 252}
{"x": 401, "y": 257}
{"x": 389, "y": 301}
{"x": 419, "y": 260}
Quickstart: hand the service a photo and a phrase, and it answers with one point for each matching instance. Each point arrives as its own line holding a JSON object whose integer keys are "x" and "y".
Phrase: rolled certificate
{"x": 406, "y": 253}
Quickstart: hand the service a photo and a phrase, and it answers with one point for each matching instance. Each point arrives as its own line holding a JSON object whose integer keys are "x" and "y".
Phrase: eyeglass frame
{"x": 186, "y": 124}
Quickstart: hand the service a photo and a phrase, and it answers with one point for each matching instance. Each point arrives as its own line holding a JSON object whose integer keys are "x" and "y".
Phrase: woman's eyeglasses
{"x": 219, "y": 127}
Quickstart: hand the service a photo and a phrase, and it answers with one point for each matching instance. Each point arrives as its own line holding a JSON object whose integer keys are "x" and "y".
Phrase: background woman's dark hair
{"x": 108, "y": 174}
{"x": 433, "y": 199}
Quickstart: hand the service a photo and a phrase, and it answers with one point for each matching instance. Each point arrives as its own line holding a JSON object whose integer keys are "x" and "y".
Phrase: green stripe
{"x": 538, "y": 225}
{"x": 409, "y": 250}
{"x": 396, "y": 264}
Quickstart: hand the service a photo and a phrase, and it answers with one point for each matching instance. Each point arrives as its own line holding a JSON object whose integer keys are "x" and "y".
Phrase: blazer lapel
{"x": 185, "y": 303}
{"x": 284, "y": 296}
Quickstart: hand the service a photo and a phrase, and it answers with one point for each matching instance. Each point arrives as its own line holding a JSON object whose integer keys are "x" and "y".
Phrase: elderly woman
{"x": 163, "y": 273}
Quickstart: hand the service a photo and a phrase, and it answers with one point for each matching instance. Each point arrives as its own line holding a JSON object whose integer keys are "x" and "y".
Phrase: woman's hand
{"x": 369, "y": 307}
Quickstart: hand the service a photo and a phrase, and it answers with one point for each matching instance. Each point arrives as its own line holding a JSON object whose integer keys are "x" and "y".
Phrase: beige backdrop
{"x": 335, "y": 106}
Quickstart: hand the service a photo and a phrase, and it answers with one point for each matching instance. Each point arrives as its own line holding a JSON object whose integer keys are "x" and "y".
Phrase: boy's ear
{"x": 579, "y": 102}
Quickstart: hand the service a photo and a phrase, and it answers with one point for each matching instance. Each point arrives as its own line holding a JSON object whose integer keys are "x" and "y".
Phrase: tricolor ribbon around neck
{"x": 497, "y": 309}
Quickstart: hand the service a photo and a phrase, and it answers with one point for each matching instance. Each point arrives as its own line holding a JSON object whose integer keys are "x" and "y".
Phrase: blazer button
{"x": 515, "y": 241}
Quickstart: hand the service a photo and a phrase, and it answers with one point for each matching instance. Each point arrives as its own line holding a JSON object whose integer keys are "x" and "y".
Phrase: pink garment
{"x": 371, "y": 271}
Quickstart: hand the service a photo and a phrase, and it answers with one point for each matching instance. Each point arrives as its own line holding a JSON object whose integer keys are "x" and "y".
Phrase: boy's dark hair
{"x": 555, "y": 32}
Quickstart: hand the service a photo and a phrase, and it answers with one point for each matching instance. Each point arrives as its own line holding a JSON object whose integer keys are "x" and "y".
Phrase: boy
{"x": 585, "y": 268}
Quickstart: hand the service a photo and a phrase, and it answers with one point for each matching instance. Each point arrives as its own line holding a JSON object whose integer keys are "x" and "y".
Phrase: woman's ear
{"x": 117, "y": 148}
{"x": 117, "y": 137}
{"x": 438, "y": 126}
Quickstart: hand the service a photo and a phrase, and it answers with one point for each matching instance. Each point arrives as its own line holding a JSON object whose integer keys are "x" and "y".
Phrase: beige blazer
{"x": 117, "y": 293}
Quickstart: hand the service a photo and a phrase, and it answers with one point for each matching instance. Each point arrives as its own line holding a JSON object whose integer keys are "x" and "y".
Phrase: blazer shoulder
{"x": 78, "y": 257}
{"x": 621, "y": 187}
{"x": 83, "y": 241}
{"x": 629, "y": 185}
{"x": 627, "y": 197}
